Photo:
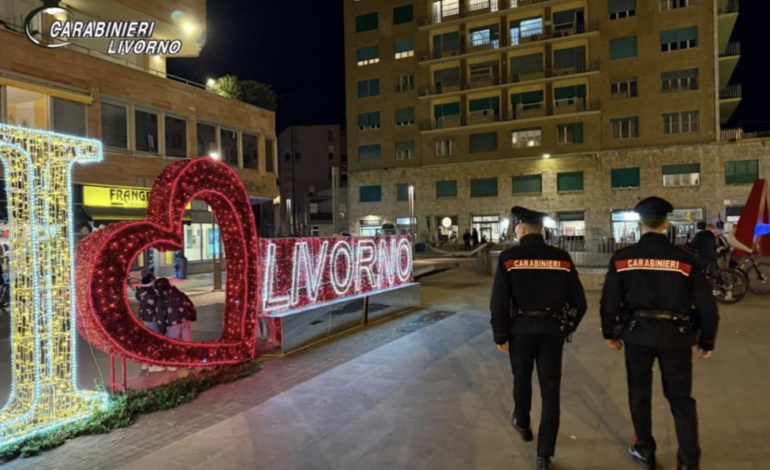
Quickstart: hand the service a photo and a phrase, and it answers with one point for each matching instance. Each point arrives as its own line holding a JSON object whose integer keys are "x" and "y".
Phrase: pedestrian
{"x": 647, "y": 309}
{"x": 178, "y": 309}
{"x": 475, "y": 238}
{"x": 148, "y": 298}
{"x": 537, "y": 302}
{"x": 467, "y": 240}
{"x": 704, "y": 245}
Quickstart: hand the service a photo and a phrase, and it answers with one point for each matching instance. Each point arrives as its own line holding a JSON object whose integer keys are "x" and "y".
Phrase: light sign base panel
{"x": 301, "y": 328}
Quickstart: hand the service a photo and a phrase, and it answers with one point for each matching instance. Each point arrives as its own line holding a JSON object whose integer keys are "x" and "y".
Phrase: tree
{"x": 248, "y": 91}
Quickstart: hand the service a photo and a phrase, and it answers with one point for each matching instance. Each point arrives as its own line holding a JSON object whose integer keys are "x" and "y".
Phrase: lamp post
{"x": 411, "y": 214}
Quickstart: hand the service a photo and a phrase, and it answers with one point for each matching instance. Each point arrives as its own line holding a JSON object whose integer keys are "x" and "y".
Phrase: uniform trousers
{"x": 545, "y": 351}
{"x": 676, "y": 369}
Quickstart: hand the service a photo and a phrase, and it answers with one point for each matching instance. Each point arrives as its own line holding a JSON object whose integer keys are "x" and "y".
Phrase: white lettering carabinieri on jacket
{"x": 547, "y": 264}
{"x": 646, "y": 264}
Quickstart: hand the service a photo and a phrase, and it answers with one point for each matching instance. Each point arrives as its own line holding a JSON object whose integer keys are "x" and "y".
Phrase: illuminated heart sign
{"x": 105, "y": 257}
{"x": 298, "y": 273}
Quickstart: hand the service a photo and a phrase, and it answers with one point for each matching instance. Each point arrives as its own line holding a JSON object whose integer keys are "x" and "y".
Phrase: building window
{"x": 525, "y": 30}
{"x": 146, "y": 125}
{"x": 404, "y": 83}
{"x": 446, "y": 189}
{"x": 405, "y": 150}
{"x": 569, "y": 61}
{"x": 625, "y": 128}
{"x": 370, "y": 193}
{"x": 250, "y": 153}
{"x": 484, "y": 110}
{"x": 486, "y": 142}
{"x": 484, "y": 74}
{"x": 229, "y": 143}
{"x": 115, "y": 126}
{"x": 404, "y": 116}
{"x": 176, "y": 137}
{"x": 26, "y": 108}
{"x": 367, "y": 55}
{"x": 741, "y": 172}
{"x": 366, "y": 22}
{"x": 445, "y": 80}
{"x": 569, "y": 96}
{"x": 570, "y": 133}
{"x": 527, "y": 184}
{"x": 69, "y": 117}
{"x": 625, "y": 178}
{"x": 624, "y": 88}
{"x": 572, "y": 181}
{"x": 369, "y": 121}
{"x": 525, "y": 138}
{"x": 330, "y": 136}
{"x": 447, "y": 114}
{"x": 403, "y": 48}
{"x": 447, "y": 44}
{"x": 681, "y": 122}
{"x": 485, "y": 36}
{"x": 368, "y": 88}
{"x": 484, "y": 187}
{"x": 687, "y": 174}
{"x": 622, "y": 9}
{"x": 446, "y": 146}
{"x": 207, "y": 141}
{"x": 673, "y": 4}
{"x": 403, "y": 14}
{"x": 623, "y": 48}
{"x": 676, "y": 39}
{"x": 528, "y": 104}
{"x": 402, "y": 192}
{"x": 527, "y": 67}
{"x": 679, "y": 80}
{"x": 369, "y": 153}
{"x": 270, "y": 155}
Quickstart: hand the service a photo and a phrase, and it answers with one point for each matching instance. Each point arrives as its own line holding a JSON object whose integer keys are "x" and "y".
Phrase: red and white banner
{"x": 300, "y": 272}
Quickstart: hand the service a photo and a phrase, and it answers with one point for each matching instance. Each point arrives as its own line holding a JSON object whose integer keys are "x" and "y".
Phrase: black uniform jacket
{"x": 534, "y": 276}
{"x": 655, "y": 275}
{"x": 705, "y": 245}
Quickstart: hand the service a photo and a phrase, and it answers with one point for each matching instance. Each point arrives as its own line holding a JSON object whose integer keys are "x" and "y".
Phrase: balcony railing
{"x": 731, "y": 135}
{"x": 522, "y": 111}
{"x": 730, "y": 92}
{"x": 732, "y": 49}
{"x": 482, "y": 7}
{"x": 675, "y": 4}
{"x": 730, "y": 7}
{"x": 483, "y": 82}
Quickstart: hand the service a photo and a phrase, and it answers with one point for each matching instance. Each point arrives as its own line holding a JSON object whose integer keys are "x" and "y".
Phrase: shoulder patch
{"x": 544, "y": 264}
{"x": 648, "y": 264}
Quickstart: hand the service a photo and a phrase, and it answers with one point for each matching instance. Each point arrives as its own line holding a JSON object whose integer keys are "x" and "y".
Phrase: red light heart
{"x": 104, "y": 259}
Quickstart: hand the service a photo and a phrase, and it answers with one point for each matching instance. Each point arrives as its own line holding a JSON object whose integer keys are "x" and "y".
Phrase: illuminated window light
{"x": 38, "y": 174}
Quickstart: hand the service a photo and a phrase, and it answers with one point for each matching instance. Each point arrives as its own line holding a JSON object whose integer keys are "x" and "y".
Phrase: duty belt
{"x": 535, "y": 313}
{"x": 660, "y": 315}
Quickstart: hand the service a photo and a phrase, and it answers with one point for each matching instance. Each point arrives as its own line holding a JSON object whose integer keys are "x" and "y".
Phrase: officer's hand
{"x": 615, "y": 344}
{"x": 503, "y": 347}
{"x": 704, "y": 354}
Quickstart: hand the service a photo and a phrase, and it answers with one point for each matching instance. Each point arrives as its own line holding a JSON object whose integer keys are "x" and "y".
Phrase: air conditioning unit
{"x": 424, "y": 92}
{"x": 453, "y": 53}
{"x": 424, "y": 22}
{"x": 423, "y": 58}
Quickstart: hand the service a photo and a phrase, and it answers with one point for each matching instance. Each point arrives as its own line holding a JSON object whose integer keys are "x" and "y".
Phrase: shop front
{"x": 571, "y": 230}
{"x": 488, "y": 227}
{"x": 370, "y": 227}
{"x": 683, "y": 224}
{"x": 447, "y": 229}
{"x": 404, "y": 227}
{"x": 625, "y": 227}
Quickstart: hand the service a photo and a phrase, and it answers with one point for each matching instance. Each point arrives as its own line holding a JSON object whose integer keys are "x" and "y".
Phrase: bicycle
{"x": 757, "y": 273}
{"x": 729, "y": 285}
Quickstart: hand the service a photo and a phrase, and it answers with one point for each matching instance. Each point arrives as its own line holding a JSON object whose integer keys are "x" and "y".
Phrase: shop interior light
{"x": 546, "y": 156}
{"x": 38, "y": 175}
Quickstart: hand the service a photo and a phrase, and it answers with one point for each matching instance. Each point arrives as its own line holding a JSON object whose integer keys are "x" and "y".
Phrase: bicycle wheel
{"x": 728, "y": 286}
{"x": 759, "y": 278}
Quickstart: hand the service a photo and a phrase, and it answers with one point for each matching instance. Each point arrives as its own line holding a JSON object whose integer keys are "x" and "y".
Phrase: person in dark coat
{"x": 178, "y": 309}
{"x": 475, "y": 238}
{"x": 147, "y": 296}
{"x": 467, "y": 240}
{"x": 704, "y": 244}
{"x": 535, "y": 290}
{"x": 647, "y": 306}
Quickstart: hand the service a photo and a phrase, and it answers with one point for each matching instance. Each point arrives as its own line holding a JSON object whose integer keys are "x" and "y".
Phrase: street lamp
{"x": 411, "y": 213}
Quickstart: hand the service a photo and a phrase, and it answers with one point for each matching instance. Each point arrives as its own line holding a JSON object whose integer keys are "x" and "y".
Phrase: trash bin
{"x": 180, "y": 267}
{"x": 484, "y": 262}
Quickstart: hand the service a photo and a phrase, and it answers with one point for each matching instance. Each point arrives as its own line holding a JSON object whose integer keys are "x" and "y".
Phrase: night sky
{"x": 298, "y": 48}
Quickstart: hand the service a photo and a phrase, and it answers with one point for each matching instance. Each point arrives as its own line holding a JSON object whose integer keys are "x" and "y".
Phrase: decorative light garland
{"x": 38, "y": 174}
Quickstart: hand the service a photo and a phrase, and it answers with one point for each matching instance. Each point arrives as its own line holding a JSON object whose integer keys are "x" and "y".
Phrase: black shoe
{"x": 682, "y": 466}
{"x": 543, "y": 463}
{"x": 644, "y": 458}
{"x": 525, "y": 433}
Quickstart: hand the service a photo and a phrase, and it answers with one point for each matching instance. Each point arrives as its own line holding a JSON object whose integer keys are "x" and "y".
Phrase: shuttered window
{"x": 446, "y": 43}
{"x": 527, "y": 184}
{"x": 404, "y": 116}
{"x": 403, "y": 48}
{"x": 570, "y": 133}
{"x": 369, "y": 153}
{"x": 370, "y": 193}
{"x": 572, "y": 58}
{"x": 447, "y": 77}
{"x": 402, "y": 192}
{"x": 625, "y": 178}
{"x": 484, "y": 187}
{"x": 683, "y": 169}
{"x": 679, "y": 80}
{"x": 741, "y": 172}
{"x": 623, "y": 48}
{"x": 446, "y": 109}
{"x": 486, "y": 142}
{"x": 368, "y": 88}
{"x": 681, "y": 38}
{"x": 369, "y": 121}
{"x": 622, "y": 9}
{"x": 482, "y": 104}
{"x": 575, "y": 91}
{"x": 367, "y": 55}
{"x": 529, "y": 97}
{"x": 526, "y": 65}
{"x": 405, "y": 150}
{"x": 366, "y": 22}
{"x": 446, "y": 188}
{"x": 403, "y": 14}
{"x": 572, "y": 181}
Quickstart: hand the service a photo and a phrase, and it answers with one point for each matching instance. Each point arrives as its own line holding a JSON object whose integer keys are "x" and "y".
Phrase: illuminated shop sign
{"x": 117, "y": 196}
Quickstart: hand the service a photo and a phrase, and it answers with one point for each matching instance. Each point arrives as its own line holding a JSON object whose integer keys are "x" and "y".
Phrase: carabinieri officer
{"x": 537, "y": 301}
{"x": 655, "y": 300}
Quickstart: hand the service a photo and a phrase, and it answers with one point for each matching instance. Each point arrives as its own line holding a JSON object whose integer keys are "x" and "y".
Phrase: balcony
{"x": 731, "y": 92}
{"x": 666, "y": 5}
{"x": 731, "y": 6}
{"x": 477, "y": 8}
{"x": 522, "y": 111}
{"x": 731, "y": 50}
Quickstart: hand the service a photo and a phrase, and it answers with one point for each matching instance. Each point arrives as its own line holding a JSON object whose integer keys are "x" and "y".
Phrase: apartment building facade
{"x": 145, "y": 118}
{"x": 556, "y": 100}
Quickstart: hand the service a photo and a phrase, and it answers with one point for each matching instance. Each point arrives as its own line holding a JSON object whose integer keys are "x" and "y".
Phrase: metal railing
{"x": 674, "y": 4}
{"x": 490, "y": 6}
{"x": 522, "y": 111}
{"x": 732, "y": 49}
{"x": 732, "y": 135}
{"x": 731, "y": 6}
{"x": 730, "y": 92}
